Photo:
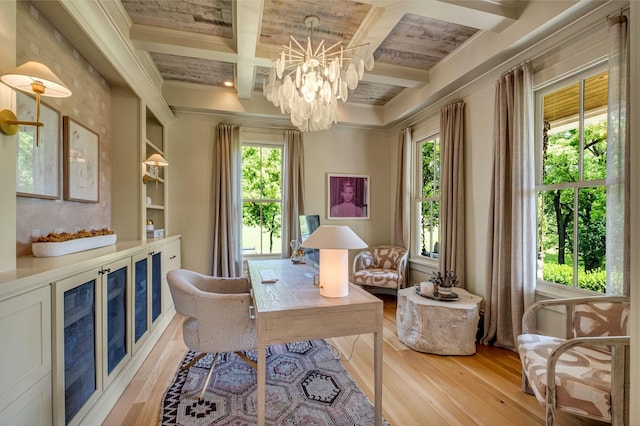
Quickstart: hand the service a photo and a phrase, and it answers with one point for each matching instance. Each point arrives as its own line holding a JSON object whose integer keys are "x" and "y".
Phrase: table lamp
{"x": 334, "y": 242}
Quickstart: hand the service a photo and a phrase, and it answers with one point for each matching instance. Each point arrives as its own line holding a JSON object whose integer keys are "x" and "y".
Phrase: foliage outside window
{"x": 261, "y": 199}
{"x": 427, "y": 197}
{"x": 570, "y": 185}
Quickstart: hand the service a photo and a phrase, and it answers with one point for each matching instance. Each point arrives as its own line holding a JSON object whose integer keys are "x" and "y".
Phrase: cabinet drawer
{"x": 25, "y": 334}
{"x": 172, "y": 259}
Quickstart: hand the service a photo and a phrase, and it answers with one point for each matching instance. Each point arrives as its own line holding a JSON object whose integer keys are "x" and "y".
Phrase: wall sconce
{"x": 30, "y": 77}
{"x": 154, "y": 161}
{"x": 334, "y": 242}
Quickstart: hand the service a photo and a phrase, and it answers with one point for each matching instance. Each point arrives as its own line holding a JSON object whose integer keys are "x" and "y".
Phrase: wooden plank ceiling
{"x": 211, "y": 42}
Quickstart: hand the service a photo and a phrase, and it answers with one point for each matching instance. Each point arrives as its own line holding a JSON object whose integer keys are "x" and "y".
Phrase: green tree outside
{"x": 262, "y": 195}
{"x": 558, "y": 212}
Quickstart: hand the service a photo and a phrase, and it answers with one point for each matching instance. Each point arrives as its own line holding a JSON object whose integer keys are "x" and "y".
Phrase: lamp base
{"x": 334, "y": 272}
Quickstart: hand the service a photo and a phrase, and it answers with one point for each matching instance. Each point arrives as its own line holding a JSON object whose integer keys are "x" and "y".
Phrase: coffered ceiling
{"x": 177, "y": 54}
{"x": 210, "y": 42}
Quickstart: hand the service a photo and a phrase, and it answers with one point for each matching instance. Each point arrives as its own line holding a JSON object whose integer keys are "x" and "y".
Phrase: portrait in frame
{"x": 81, "y": 162}
{"x": 37, "y": 162}
{"x": 347, "y": 196}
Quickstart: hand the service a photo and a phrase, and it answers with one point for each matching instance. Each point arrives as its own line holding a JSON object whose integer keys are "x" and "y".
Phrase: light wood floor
{"x": 418, "y": 389}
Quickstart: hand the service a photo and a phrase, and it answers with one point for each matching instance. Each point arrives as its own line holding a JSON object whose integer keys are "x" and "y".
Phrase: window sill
{"x": 545, "y": 290}
{"x": 423, "y": 265}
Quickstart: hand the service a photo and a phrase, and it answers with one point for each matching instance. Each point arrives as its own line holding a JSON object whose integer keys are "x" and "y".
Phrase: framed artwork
{"x": 37, "y": 166}
{"x": 347, "y": 196}
{"x": 81, "y": 162}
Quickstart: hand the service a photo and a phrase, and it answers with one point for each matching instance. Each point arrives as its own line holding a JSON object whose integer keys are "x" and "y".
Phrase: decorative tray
{"x": 440, "y": 297}
{"x": 72, "y": 246}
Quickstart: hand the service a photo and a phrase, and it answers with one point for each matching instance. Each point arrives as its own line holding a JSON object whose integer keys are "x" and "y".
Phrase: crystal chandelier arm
{"x": 296, "y": 42}
{"x": 319, "y": 47}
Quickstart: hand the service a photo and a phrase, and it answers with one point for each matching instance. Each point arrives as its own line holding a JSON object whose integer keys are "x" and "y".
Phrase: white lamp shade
{"x": 156, "y": 160}
{"x": 334, "y": 237}
{"x": 22, "y": 77}
{"x": 334, "y": 242}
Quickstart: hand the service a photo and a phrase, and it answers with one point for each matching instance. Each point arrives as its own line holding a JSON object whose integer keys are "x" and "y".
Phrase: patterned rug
{"x": 306, "y": 385}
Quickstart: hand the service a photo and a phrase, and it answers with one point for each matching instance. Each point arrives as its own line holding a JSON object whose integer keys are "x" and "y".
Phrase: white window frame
{"x": 264, "y": 144}
{"x": 417, "y": 199}
{"x": 543, "y": 287}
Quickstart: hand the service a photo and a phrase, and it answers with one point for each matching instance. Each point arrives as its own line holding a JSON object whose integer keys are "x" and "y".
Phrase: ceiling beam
{"x": 481, "y": 14}
{"x": 248, "y": 23}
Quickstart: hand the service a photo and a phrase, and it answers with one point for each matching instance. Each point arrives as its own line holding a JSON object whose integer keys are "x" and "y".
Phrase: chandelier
{"x": 308, "y": 82}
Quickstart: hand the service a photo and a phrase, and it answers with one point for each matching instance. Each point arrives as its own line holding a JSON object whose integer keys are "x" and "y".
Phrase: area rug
{"x": 306, "y": 385}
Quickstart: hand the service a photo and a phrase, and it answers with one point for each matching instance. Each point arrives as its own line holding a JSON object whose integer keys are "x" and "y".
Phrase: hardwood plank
{"x": 441, "y": 390}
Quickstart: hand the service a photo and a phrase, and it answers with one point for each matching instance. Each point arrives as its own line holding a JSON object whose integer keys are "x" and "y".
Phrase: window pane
{"x": 262, "y": 226}
{"x": 592, "y": 238}
{"x": 595, "y": 126}
{"x": 251, "y": 176}
{"x": 429, "y": 234}
{"x": 271, "y": 170}
{"x": 555, "y": 229}
{"x": 430, "y": 168}
{"x": 561, "y": 141}
{"x": 261, "y": 193}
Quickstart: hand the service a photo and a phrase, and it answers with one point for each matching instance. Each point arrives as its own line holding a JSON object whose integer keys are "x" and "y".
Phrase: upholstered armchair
{"x": 381, "y": 269}
{"x": 218, "y": 318}
{"x": 585, "y": 373}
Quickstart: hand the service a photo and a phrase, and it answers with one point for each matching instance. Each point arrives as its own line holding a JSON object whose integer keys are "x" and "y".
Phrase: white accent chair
{"x": 586, "y": 373}
{"x": 381, "y": 269}
{"x": 218, "y": 315}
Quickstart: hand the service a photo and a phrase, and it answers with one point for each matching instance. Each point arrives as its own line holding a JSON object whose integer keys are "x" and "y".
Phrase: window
{"x": 427, "y": 197}
{"x": 570, "y": 181}
{"x": 261, "y": 199}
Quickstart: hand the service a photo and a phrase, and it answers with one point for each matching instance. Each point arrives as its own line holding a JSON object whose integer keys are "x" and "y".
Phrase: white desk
{"x": 292, "y": 310}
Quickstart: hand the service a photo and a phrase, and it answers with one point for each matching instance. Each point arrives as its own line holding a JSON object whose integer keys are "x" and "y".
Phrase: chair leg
{"x": 247, "y": 360}
{"x": 193, "y": 361}
{"x": 526, "y": 388}
{"x": 206, "y": 383}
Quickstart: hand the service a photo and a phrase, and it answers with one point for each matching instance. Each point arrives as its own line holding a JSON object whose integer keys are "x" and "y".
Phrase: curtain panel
{"x": 618, "y": 145}
{"x": 293, "y": 189}
{"x": 452, "y": 194}
{"x": 402, "y": 225}
{"x": 227, "y": 204}
{"x": 511, "y": 247}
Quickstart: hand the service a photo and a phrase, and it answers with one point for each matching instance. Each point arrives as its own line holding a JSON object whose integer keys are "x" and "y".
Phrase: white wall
{"x": 339, "y": 150}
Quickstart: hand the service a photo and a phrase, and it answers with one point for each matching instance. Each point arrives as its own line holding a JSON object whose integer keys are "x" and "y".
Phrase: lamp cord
{"x": 337, "y": 354}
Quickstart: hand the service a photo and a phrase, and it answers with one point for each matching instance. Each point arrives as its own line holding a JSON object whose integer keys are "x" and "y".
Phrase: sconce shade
{"x": 334, "y": 237}
{"x": 156, "y": 160}
{"x": 31, "y": 72}
{"x": 334, "y": 242}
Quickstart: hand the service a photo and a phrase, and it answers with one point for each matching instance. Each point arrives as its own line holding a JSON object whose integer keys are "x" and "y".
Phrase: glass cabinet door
{"x": 116, "y": 321}
{"x": 156, "y": 285}
{"x": 140, "y": 298}
{"x": 79, "y": 347}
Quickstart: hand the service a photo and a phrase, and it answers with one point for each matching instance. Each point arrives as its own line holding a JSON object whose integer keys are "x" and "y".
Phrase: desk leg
{"x": 262, "y": 375}
{"x": 377, "y": 363}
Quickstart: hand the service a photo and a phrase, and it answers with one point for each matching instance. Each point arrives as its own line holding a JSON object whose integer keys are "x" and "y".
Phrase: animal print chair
{"x": 587, "y": 372}
{"x": 381, "y": 269}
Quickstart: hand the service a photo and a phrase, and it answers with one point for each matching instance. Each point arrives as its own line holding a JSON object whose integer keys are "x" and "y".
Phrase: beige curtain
{"x": 293, "y": 189}
{"x": 618, "y": 184}
{"x": 511, "y": 248}
{"x": 402, "y": 219}
{"x": 227, "y": 208}
{"x": 452, "y": 190}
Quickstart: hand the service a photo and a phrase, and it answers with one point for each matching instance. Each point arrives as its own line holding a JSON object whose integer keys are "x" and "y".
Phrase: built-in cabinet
{"x": 140, "y": 190}
{"x": 25, "y": 370}
{"x": 74, "y": 341}
{"x": 155, "y": 189}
